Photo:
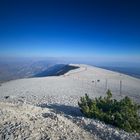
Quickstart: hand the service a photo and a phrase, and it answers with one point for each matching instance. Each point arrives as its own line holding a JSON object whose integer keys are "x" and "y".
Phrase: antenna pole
{"x": 120, "y": 87}
{"x": 106, "y": 85}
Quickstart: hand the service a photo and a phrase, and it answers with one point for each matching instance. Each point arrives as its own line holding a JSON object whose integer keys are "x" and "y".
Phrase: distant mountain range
{"x": 11, "y": 70}
{"x": 22, "y": 69}
{"x": 56, "y": 70}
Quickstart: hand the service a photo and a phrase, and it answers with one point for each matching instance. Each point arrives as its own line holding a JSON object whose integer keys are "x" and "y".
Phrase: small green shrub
{"x": 122, "y": 114}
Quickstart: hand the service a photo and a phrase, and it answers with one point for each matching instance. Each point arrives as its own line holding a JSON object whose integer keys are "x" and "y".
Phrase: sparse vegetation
{"x": 122, "y": 114}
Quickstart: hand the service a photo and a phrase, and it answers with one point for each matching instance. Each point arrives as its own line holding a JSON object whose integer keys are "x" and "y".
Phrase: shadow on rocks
{"x": 64, "y": 109}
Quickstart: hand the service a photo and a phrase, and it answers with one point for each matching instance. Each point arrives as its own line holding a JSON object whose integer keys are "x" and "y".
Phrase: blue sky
{"x": 106, "y": 30}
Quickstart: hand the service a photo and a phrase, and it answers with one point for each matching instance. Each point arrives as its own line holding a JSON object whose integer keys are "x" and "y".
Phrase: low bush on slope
{"x": 122, "y": 114}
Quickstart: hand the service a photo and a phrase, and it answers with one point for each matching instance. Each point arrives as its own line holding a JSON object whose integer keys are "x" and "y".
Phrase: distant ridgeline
{"x": 132, "y": 71}
{"x": 56, "y": 70}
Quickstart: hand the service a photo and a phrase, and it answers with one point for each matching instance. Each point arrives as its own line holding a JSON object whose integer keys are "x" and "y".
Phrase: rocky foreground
{"x": 29, "y": 122}
{"x": 22, "y": 121}
{"x": 46, "y": 108}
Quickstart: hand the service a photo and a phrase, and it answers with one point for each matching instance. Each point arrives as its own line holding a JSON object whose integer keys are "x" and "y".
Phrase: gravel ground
{"x": 46, "y": 108}
{"x": 22, "y": 121}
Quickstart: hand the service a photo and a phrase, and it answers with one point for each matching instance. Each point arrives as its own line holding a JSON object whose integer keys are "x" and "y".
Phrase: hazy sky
{"x": 101, "y": 29}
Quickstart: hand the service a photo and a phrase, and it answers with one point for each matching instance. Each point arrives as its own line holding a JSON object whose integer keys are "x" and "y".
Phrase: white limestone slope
{"x": 46, "y": 108}
{"x": 33, "y": 123}
{"x": 87, "y": 79}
